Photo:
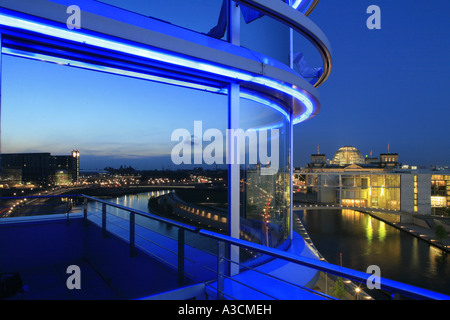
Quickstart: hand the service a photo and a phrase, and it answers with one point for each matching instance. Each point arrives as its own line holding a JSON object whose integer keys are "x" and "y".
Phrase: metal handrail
{"x": 282, "y": 280}
{"x": 142, "y": 213}
{"x": 386, "y": 284}
{"x": 390, "y": 285}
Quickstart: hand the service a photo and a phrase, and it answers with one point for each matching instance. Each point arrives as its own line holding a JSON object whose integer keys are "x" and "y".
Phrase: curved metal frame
{"x": 312, "y": 7}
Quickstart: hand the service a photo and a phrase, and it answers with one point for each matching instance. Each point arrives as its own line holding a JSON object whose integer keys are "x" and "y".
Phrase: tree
{"x": 440, "y": 232}
{"x": 338, "y": 288}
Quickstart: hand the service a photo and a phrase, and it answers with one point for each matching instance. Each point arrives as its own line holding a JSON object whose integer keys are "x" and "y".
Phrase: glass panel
{"x": 120, "y": 129}
{"x": 204, "y": 16}
{"x": 265, "y": 190}
{"x": 307, "y": 60}
{"x": 275, "y": 43}
{"x": 266, "y": 36}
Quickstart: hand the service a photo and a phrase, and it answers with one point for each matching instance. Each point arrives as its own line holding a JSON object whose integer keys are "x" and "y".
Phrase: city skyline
{"x": 398, "y": 95}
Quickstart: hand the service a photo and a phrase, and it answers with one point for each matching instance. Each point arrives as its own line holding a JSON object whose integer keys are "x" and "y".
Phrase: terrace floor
{"x": 49, "y": 283}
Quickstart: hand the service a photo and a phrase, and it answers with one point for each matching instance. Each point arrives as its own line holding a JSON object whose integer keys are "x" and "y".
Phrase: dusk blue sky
{"x": 387, "y": 86}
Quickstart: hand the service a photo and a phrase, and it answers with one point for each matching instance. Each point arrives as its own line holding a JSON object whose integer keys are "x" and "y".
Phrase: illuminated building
{"x": 440, "y": 191}
{"x": 347, "y": 155}
{"x": 350, "y": 180}
{"x": 40, "y": 168}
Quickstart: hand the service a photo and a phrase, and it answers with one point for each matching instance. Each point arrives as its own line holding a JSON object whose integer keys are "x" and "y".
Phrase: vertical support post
{"x": 291, "y": 48}
{"x": 340, "y": 190}
{"x": 234, "y": 32}
{"x": 1, "y": 60}
{"x": 233, "y": 164}
{"x": 104, "y": 220}
{"x": 85, "y": 209}
{"x": 291, "y": 174}
{"x": 180, "y": 256}
{"x": 233, "y": 178}
{"x": 291, "y": 140}
{"x": 132, "y": 234}
{"x": 220, "y": 269}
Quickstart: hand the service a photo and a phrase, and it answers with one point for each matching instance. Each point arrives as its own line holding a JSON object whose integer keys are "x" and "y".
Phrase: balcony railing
{"x": 220, "y": 270}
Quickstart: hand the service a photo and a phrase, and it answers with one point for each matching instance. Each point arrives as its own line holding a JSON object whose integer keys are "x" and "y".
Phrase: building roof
{"x": 347, "y": 155}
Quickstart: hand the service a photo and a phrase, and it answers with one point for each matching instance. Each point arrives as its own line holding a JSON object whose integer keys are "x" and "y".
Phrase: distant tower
{"x": 318, "y": 160}
{"x": 75, "y": 168}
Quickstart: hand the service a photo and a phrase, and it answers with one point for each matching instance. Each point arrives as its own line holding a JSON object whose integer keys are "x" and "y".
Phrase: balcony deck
{"x": 40, "y": 250}
{"x": 45, "y": 246}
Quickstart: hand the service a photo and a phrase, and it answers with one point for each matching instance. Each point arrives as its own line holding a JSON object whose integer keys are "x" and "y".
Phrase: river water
{"x": 140, "y": 202}
{"x": 363, "y": 241}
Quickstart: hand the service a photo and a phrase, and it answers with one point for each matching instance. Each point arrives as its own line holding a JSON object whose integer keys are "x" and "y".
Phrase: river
{"x": 139, "y": 202}
{"x": 363, "y": 241}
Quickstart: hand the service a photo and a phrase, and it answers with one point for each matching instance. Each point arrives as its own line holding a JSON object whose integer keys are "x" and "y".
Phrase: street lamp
{"x": 357, "y": 290}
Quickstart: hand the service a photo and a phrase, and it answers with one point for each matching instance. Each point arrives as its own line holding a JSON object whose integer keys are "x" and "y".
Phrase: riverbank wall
{"x": 420, "y": 226}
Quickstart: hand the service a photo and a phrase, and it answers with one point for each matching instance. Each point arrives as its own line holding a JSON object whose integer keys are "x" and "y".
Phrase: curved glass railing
{"x": 199, "y": 256}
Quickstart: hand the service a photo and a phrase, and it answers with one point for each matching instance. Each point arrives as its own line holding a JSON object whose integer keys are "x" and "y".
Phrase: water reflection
{"x": 369, "y": 230}
{"x": 139, "y": 202}
{"x": 364, "y": 241}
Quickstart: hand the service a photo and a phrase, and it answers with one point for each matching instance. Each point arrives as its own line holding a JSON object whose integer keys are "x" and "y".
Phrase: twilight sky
{"x": 387, "y": 86}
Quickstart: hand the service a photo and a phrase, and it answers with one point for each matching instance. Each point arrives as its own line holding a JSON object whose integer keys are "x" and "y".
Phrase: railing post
{"x": 180, "y": 256}
{"x": 104, "y": 220}
{"x": 85, "y": 209}
{"x": 220, "y": 269}
{"x": 132, "y": 234}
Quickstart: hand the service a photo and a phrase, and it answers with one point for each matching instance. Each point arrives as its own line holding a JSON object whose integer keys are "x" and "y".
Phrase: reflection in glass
{"x": 265, "y": 198}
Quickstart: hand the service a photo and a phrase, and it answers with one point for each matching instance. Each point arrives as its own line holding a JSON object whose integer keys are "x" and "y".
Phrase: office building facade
{"x": 350, "y": 180}
{"x": 41, "y": 169}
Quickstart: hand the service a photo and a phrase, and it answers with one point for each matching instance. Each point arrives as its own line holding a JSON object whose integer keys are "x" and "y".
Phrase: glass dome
{"x": 347, "y": 155}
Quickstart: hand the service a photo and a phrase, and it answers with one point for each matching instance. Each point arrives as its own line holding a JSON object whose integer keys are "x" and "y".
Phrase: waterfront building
{"x": 350, "y": 180}
{"x": 440, "y": 191}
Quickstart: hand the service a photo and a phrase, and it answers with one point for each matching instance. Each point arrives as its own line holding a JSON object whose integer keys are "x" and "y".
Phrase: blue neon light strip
{"x": 95, "y": 67}
{"x": 82, "y": 38}
{"x": 296, "y": 4}
{"x": 266, "y": 102}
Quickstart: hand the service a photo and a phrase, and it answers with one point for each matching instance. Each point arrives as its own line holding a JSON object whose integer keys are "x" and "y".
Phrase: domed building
{"x": 347, "y": 155}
